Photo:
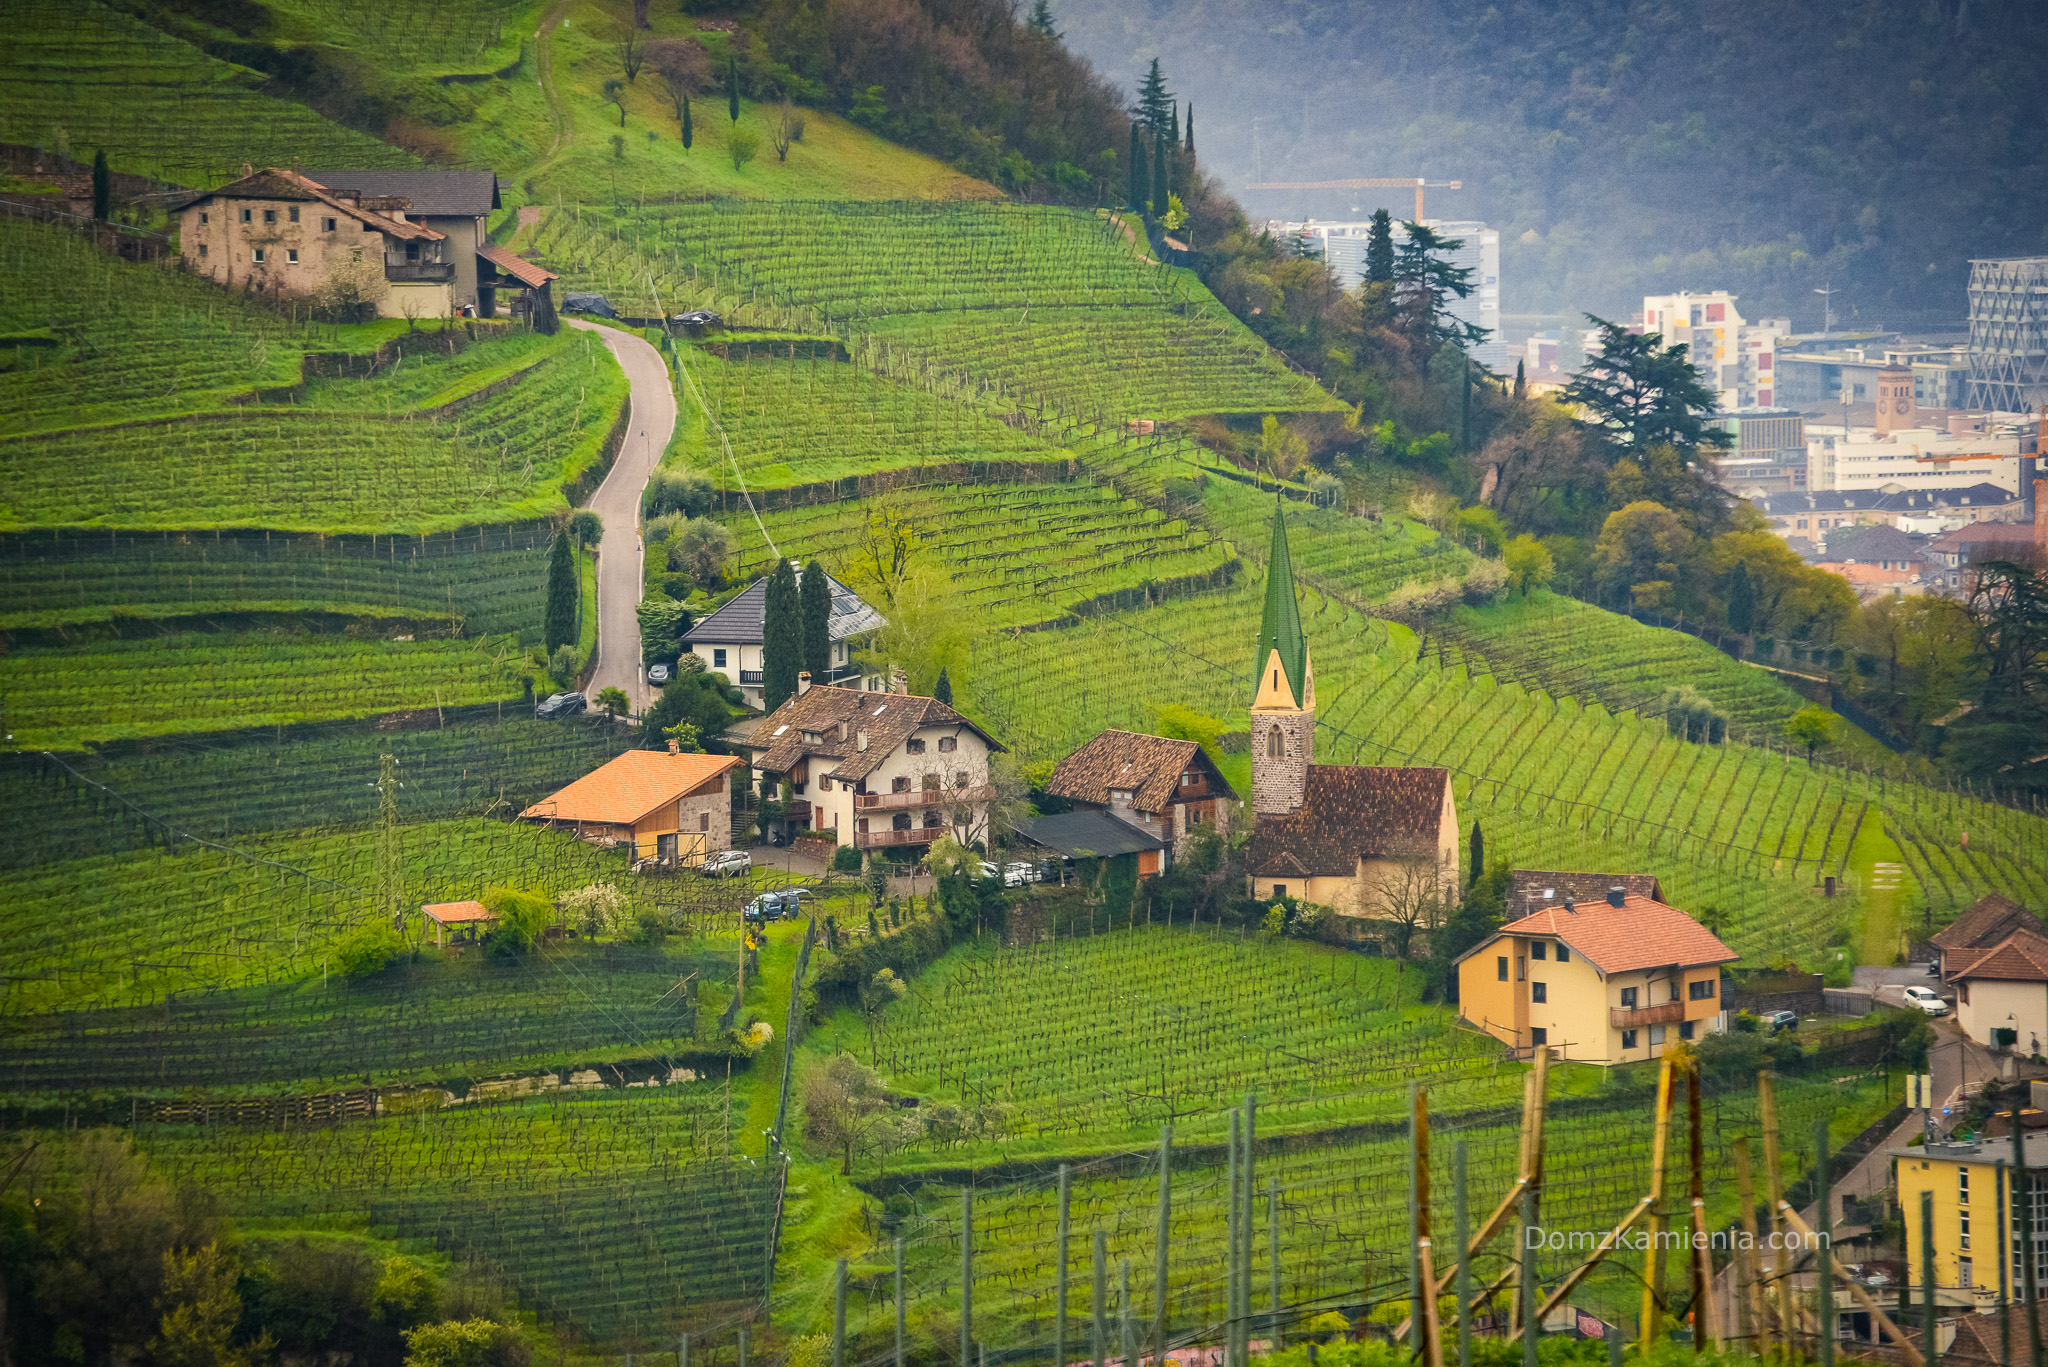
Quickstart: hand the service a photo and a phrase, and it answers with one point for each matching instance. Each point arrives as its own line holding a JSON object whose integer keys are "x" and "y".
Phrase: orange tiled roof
{"x": 455, "y": 913}
{"x": 629, "y": 787}
{"x": 1638, "y": 934}
{"x": 518, "y": 267}
{"x": 2020, "y": 957}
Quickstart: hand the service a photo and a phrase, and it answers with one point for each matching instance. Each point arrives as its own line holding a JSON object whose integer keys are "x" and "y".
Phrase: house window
{"x": 947, "y": 745}
{"x": 204, "y": 218}
{"x": 962, "y": 780}
{"x": 1628, "y": 998}
{"x": 1701, "y": 991}
{"x": 1279, "y": 889}
{"x": 1963, "y": 1267}
{"x": 1963, "y": 1229}
{"x": 1521, "y": 968}
{"x": 248, "y": 217}
{"x": 291, "y": 256}
{"x": 1274, "y": 748}
{"x": 1685, "y": 1029}
{"x": 932, "y": 821}
{"x": 258, "y": 255}
{"x": 1537, "y": 950}
{"x": 1564, "y": 954}
{"x": 270, "y": 215}
{"x": 1656, "y": 1035}
{"x": 1539, "y": 992}
{"x": 1963, "y": 1187}
{"x": 703, "y": 821}
{"x": 1628, "y": 1039}
{"x": 1538, "y": 1036}
{"x": 901, "y": 821}
{"x": 293, "y": 213}
{"x": 718, "y": 659}
{"x": 1674, "y": 989}
{"x": 412, "y": 252}
{"x": 913, "y": 747}
{"x": 1188, "y": 780}
{"x": 326, "y": 225}
{"x": 1500, "y": 967}
{"x": 202, "y": 251}
{"x": 900, "y": 784}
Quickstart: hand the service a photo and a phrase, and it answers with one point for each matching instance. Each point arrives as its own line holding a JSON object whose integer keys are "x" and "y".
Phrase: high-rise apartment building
{"x": 1738, "y": 358}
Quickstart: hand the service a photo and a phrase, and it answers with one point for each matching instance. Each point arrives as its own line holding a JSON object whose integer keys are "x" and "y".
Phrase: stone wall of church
{"x": 1278, "y": 783}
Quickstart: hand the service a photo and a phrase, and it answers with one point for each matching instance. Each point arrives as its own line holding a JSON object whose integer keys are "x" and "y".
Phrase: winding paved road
{"x": 620, "y": 578}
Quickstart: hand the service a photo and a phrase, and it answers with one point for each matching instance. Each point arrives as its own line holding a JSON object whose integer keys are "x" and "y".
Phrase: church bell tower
{"x": 1284, "y": 696}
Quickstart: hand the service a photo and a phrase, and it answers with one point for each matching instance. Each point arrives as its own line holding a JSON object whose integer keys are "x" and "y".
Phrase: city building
{"x": 875, "y": 770}
{"x": 729, "y": 641}
{"x": 1820, "y": 374}
{"x": 671, "y": 807}
{"x": 1905, "y": 450}
{"x": 1613, "y": 980}
{"x": 1769, "y": 455}
{"x": 2009, "y": 333}
{"x": 1342, "y": 246}
{"x": 1953, "y": 552}
{"x": 1738, "y": 358}
{"x": 1163, "y": 786}
{"x": 1878, "y": 560}
{"x": 1976, "y": 1227}
{"x": 1816, "y": 512}
{"x": 1378, "y": 844}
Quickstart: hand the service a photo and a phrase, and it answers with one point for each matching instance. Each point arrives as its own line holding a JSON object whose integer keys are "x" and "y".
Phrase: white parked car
{"x": 1926, "y": 1000}
{"x": 1017, "y": 875}
{"x": 989, "y": 870}
{"x": 726, "y": 863}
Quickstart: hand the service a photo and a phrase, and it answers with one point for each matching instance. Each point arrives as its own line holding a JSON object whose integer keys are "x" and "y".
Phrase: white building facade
{"x": 1738, "y": 358}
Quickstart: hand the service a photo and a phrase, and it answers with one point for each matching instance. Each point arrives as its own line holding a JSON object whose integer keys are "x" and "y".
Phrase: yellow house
{"x": 1611, "y": 981}
{"x": 673, "y": 807}
{"x": 1976, "y": 1258}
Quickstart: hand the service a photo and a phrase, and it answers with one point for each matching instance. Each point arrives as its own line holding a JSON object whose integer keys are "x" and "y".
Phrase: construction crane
{"x": 1414, "y": 183}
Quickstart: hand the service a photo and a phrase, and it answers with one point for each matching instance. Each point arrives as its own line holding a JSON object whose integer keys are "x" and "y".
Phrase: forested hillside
{"x": 1625, "y": 146}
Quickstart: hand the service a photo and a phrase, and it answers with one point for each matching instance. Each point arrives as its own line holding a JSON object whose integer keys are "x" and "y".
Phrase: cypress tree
{"x": 1191, "y": 128}
{"x": 782, "y": 637}
{"x": 1159, "y": 186}
{"x": 102, "y": 187}
{"x": 558, "y": 628}
{"x": 943, "y": 689}
{"x": 1519, "y": 382}
{"x": 1379, "y": 247}
{"x": 1173, "y": 127}
{"x": 1138, "y": 194}
{"x": 816, "y": 592}
{"x": 1478, "y": 853}
{"x": 1741, "y": 600}
{"x": 687, "y": 131}
{"x": 732, "y": 87}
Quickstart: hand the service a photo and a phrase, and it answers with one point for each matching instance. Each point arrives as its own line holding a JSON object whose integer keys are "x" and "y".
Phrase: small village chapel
{"x": 1359, "y": 839}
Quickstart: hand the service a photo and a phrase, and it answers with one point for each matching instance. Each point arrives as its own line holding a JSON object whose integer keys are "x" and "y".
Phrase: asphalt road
{"x": 620, "y": 578}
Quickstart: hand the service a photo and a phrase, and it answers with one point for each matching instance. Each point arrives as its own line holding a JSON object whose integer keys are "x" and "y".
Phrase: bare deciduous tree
{"x": 847, "y": 1110}
{"x": 789, "y": 127}
{"x": 683, "y": 69}
{"x": 1407, "y": 895}
{"x": 632, "y": 50}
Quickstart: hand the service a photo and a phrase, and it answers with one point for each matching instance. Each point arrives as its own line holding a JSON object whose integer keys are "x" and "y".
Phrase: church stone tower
{"x": 1894, "y": 399}
{"x": 1284, "y": 700}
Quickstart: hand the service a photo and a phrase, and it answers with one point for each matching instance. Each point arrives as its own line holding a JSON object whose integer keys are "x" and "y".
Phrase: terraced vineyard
{"x": 1019, "y": 553}
{"x": 160, "y": 107}
{"x": 1358, "y": 561}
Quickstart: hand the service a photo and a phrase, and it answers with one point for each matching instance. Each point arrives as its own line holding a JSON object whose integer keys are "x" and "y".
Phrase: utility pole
{"x": 1827, "y": 295}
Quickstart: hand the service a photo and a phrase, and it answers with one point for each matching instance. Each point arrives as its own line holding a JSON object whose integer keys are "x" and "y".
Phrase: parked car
{"x": 1934, "y": 968}
{"x": 726, "y": 863}
{"x": 1926, "y": 1000}
{"x": 696, "y": 318}
{"x": 561, "y": 705}
{"x": 773, "y": 906}
{"x": 1774, "y": 1021}
{"x": 1017, "y": 875}
{"x": 659, "y": 674}
{"x": 989, "y": 870}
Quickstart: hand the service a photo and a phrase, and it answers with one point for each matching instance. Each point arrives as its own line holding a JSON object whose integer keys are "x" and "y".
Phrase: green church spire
{"x": 1280, "y": 625}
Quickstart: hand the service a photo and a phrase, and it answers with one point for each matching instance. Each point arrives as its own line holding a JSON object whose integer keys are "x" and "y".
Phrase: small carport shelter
{"x": 1097, "y": 834}
{"x": 446, "y": 914}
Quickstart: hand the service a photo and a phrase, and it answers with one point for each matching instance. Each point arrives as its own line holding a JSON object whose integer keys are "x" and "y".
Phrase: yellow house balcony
{"x": 1668, "y": 1013}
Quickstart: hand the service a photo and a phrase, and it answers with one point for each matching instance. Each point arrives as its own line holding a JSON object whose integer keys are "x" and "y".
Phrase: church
{"x": 1368, "y": 841}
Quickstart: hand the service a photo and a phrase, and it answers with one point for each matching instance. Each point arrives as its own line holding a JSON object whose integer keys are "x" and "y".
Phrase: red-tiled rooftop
{"x": 454, "y": 913}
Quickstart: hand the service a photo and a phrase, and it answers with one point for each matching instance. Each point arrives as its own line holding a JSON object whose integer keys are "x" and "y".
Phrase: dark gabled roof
{"x": 1350, "y": 812}
{"x": 272, "y": 183}
{"x": 432, "y": 194}
{"x": 887, "y": 719}
{"x": 1982, "y": 533}
{"x": 743, "y": 621}
{"x": 1150, "y": 766}
{"x": 1531, "y": 890}
{"x": 1280, "y": 623}
{"x": 1085, "y": 833}
{"x": 1990, "y": 919}
{"x": 1867, "y": 545}
{"x": 1872, "y": 501}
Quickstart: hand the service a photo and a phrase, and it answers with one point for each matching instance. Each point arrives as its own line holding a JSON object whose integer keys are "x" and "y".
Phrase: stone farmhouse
{"x": 1167, "y": 788}
{"x": 1368, "y": 842}
{"x": 412, "y": 244}
{"x": 876, "y": 770}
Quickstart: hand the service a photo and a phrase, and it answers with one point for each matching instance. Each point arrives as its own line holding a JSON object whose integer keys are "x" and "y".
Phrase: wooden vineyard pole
{"x": 1273, "y": 1331}
{"x": 1432, "y": 1332}
{"x": 1823, "y": 1256}
{"x": 1059, "y": 1309}
{"x": 1461, "y": 1218}
{"x": 1653, "y": 1269}
{"x": 1703, "y": 1335}
{"x": 1748, "y": 1263}
{"x": 1783, "y": 1311}
{"x": 1246, "y": 1204}
{"x": 899, "y": 1302}
{"x": 1159, "y": 1287}
{"x": 966, "y": 1276}
{"x": 1096, "y": 1339}
{"x": 839, "y": 1314}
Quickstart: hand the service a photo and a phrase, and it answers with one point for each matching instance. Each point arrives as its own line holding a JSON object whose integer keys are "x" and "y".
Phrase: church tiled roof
{"x": 1351, "y": 812}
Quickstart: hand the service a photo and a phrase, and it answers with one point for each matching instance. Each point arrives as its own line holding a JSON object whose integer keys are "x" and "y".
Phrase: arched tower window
{"x": 1275, "y": 747}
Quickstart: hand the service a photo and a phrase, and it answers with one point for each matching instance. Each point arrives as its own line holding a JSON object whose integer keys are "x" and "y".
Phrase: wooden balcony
{"x": 868, "y": 840}
{"x": 1667, "y": 1013}
{"x": 419, "y": 272}
{"x": 919, "y": 797}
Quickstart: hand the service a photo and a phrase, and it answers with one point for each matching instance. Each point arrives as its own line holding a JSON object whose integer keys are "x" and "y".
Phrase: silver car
{"x": 726, "y": 864}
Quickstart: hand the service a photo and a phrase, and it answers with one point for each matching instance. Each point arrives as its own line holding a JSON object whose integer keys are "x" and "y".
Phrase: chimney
{"x": 675, "y": 747}
{"x": 1617, "y": 896}
{"x": 1570, "y": 910}
{"x": 842, "y": 730}
{"x": 860, "y": 740}
{"x": 803, "y": 683}
{"x": 899, "y": 682}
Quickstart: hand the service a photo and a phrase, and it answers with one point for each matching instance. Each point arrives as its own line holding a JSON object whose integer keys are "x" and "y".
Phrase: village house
{"x": 1610, "y": 981}
{"x": 1995, "y": 955}
{"x": 1375, "y": 843}
{"x": 1165, "y": 787}
{"x": 673, "y": 808}
{"x": 1987, "y": 921}
{"x": 729, "y": 641}
{"x": 411, "y": 243}
{"x": 1092, "y": 833}
{"x": 1952, "y": 554}
{"x": 876, "y": 770}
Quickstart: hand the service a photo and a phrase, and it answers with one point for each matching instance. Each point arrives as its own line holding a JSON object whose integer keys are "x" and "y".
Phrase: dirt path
{"x": 544, "y": 61}
{"x": 620, "y": 580}
{"x": 1878, "y": 870}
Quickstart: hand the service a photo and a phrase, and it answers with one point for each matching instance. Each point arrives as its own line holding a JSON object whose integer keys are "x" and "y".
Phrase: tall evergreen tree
{"x": 1140, "y": 179}
{"x": 1173, "y": 128}
{"x": 558, "y": 627}
{"x": 817, "y": 603}
{"x": 782, "y": 637}
{"x": 1741, "y": 600}
{"x": 1041, "y": 20}
{"x": 102, "y": 187}
{"x": 943, "y": 689}
{"x": 1520, "y": 381}
{"x": 1478, "y": 853}
{"x": 688, "y": 132}
{"x": 1636, "y": 392}
{"x": 1426, "y": 282}
{"x": 1191, "y": 128}
{"x": 1159, "y": 185}
{"x": 732, "y": 87}
{"x": 1155, "y": 101}
{"x": 1379, "y": 248}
